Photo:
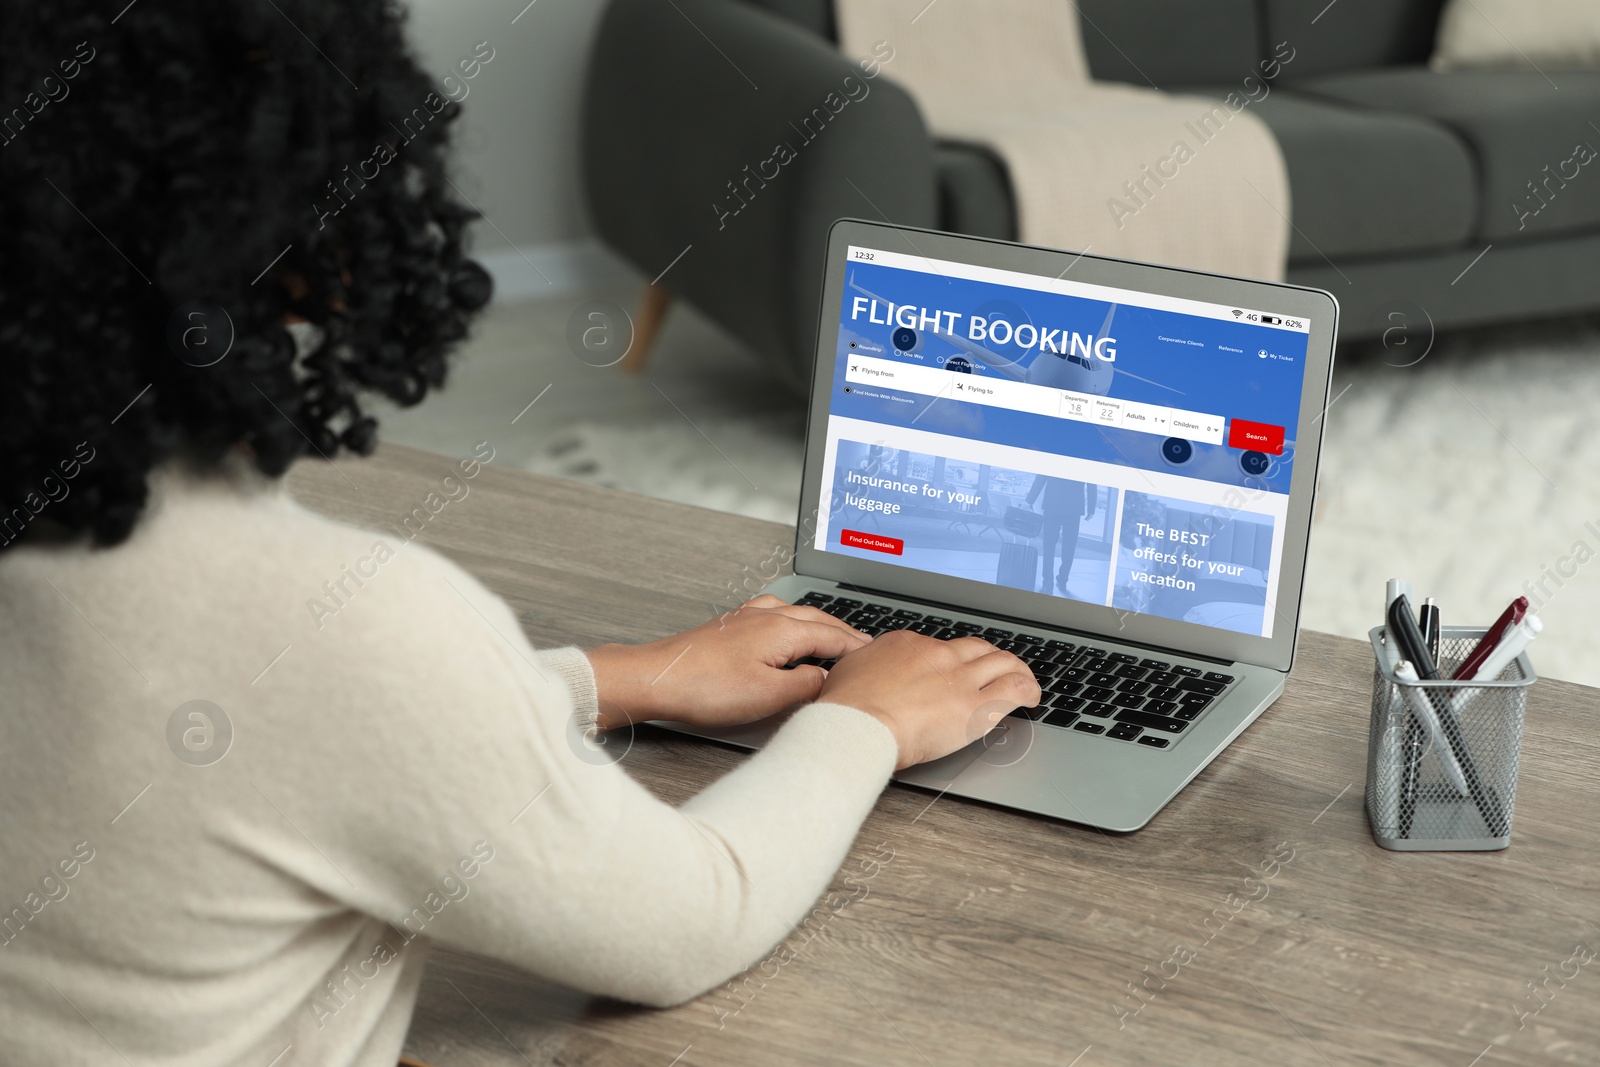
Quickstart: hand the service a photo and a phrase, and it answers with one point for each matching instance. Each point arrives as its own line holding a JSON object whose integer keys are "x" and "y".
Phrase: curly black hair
{"x": 182, "y": 179}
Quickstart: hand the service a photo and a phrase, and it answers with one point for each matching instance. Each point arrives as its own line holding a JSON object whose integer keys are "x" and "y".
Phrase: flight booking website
{"x": 1107, "y": 446}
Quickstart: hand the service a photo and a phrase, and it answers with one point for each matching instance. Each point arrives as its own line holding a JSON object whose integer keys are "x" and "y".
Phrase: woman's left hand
{"x": 726, "y": 672}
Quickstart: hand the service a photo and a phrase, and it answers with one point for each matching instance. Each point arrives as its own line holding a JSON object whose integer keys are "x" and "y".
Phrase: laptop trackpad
{"x": 1004, "y": 745}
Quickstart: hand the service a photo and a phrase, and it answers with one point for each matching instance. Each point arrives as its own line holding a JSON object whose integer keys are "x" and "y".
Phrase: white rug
{"x": 1473, "y": 473}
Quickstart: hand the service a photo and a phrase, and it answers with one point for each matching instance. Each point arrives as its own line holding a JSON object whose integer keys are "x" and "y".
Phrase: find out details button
{"x": 1255, "y": 436}
{"x": 875, "y": 542}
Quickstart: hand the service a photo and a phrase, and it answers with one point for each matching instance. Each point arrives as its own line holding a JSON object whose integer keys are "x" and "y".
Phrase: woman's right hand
{"x": 934, "y": 696}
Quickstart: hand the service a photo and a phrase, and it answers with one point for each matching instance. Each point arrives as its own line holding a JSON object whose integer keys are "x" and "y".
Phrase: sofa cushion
{"x": 1351, "y": 34}
{"x": 974, "y": 192}
{"x": 1517, "y": 34}
{"x": 1364, "y": 183}
{"x": 1161, "y": 43}
{"x": 1517, "y": 122}
{"x": 814, "y": 15}
{"x": 1145, "y": 42}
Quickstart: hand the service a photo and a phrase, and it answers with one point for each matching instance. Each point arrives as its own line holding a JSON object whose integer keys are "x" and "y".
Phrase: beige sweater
{"x": 402, "y": 770}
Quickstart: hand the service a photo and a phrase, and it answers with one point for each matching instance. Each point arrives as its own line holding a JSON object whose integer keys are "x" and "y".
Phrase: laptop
{"x": 1105, "y": 467}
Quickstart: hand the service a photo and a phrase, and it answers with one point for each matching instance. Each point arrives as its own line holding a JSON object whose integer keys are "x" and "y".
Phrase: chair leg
{"x": 652, "y": 312}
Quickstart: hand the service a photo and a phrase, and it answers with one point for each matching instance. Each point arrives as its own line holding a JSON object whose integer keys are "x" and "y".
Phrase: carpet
{"x": 745, "y": 466}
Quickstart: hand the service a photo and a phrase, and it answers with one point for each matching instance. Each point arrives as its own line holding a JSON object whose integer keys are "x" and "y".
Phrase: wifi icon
{"x": 1237, "y": 313}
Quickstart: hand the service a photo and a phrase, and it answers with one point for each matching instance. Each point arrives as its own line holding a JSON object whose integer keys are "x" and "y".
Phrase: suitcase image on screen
{"x": 1019, "y": 565}
{"x": 1024, "y": 522}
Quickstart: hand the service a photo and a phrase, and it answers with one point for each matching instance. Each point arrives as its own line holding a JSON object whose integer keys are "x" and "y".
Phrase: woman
{"x": 232, "y": 824}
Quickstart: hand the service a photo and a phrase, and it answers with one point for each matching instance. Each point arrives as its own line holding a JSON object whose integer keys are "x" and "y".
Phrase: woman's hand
{"x": 934, "y": 696}
{"x": 726, "y": 672}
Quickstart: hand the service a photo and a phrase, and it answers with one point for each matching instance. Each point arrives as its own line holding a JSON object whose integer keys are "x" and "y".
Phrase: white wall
{"x": 517, "y": 140}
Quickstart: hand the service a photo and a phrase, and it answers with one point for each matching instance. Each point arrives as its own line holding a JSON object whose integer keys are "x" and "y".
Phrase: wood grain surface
{"x": 1254, "y": 921}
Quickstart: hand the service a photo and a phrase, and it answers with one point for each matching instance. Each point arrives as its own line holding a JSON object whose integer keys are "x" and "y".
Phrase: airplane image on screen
{"x": 1082, "y": 374}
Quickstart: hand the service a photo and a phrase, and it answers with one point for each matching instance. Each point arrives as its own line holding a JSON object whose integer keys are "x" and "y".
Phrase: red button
{"x": 876, "y": 542}
{"x": 1255, "y": 436}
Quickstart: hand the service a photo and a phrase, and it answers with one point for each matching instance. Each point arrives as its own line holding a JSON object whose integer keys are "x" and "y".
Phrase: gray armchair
{"x": 685, "y": 103}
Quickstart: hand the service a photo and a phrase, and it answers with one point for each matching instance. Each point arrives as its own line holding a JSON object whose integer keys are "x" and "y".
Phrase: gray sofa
{"x": 1400, "y": 176}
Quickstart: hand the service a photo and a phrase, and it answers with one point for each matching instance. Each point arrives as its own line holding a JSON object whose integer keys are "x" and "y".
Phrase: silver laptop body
{"x": 967, "y": 395}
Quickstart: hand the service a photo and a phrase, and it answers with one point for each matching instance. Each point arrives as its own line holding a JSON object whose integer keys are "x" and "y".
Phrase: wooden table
{"x": 979, "y": 935}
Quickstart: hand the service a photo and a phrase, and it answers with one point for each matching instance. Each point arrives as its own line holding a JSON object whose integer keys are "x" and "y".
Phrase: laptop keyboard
{"x": 1088, "y": 689}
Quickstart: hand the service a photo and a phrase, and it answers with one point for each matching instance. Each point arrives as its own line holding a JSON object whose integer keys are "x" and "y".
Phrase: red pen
{"x": 1487, "y": 644}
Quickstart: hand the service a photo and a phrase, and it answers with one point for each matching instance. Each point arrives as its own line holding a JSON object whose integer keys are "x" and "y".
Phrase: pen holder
{"x": 1442, "y": 755}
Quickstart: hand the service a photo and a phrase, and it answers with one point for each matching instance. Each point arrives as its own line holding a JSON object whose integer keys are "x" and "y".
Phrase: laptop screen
{"x": 1107, "y": 446}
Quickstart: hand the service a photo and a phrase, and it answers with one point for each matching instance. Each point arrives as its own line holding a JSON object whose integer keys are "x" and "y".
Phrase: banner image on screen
{"x": 1072, "y": 440}
{"x": 1182, "y": 561}
{"x": 951, "y": 516}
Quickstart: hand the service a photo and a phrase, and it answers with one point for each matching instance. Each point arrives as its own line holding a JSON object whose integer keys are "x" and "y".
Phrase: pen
{"x": 1510, "y": 647}
{"x": 1429, "y": 624}
{"x": 1403, "y": 628}
{"x": 1423, "y": 708}
{"x": 1412, "y": 751}
{"x": 1491, "y": 639}
{"x": 1412, "y": 747}
{"x": 1418, "y": 662}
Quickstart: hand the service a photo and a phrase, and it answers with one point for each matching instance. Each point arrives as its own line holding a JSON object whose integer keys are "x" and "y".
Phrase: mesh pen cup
{"x": 1442, "y": 755}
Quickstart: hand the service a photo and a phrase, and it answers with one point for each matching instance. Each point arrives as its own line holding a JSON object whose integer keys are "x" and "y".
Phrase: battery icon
{"x": 1275, "y": 320}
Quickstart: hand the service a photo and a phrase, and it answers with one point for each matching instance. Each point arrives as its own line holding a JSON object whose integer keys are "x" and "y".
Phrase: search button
{"x": 1255, "y": 436}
